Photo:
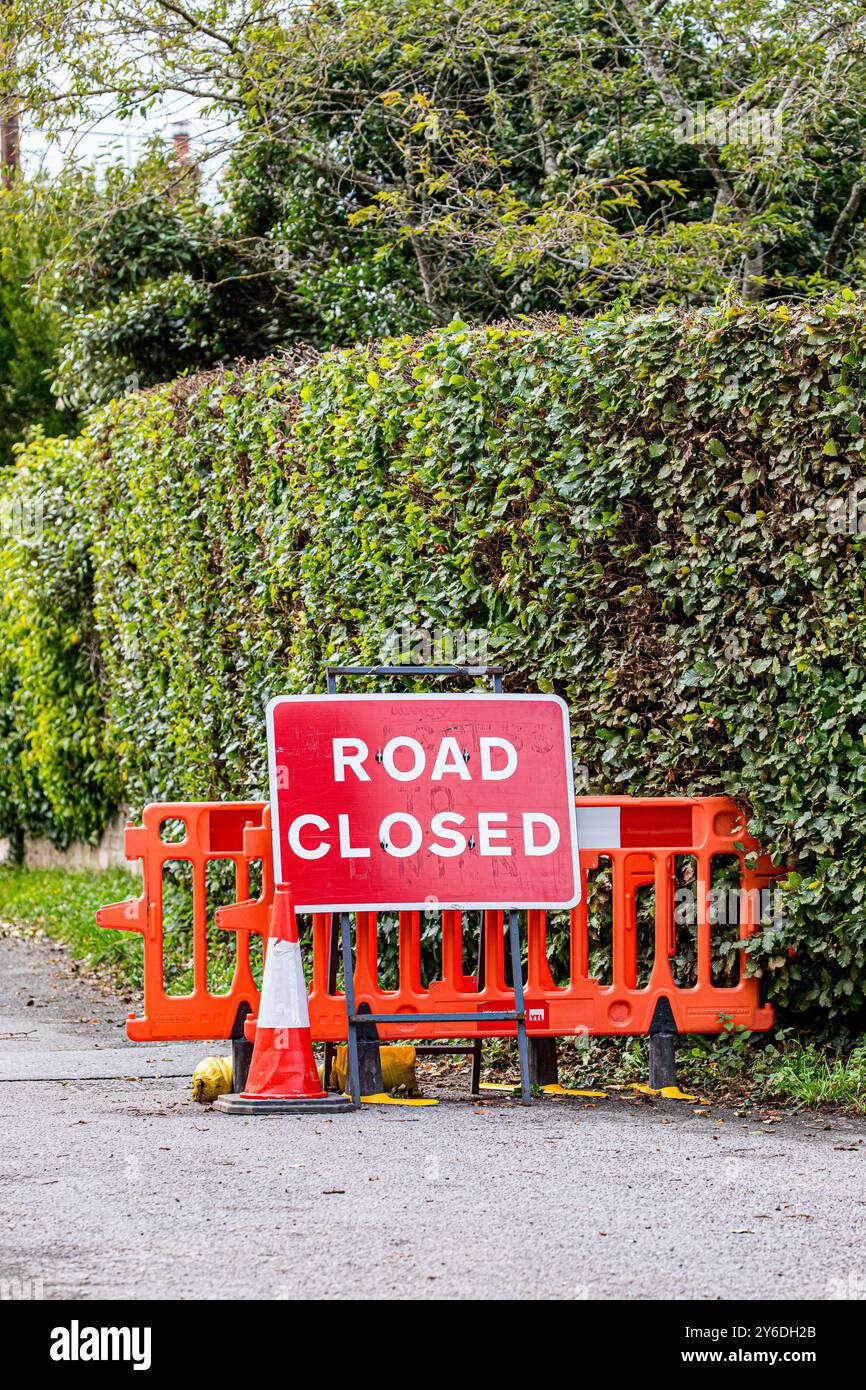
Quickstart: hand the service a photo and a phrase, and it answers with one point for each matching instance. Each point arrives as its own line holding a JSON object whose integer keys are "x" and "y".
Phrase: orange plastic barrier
{"x": 653, "y": 833}
{"x": 212, "y": 831}
{"x": 640, "y": 838}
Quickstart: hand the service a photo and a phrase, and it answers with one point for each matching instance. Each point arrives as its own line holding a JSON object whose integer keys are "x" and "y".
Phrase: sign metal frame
{"x": 353, "y": 1018}
{"x": 491, "y": 903}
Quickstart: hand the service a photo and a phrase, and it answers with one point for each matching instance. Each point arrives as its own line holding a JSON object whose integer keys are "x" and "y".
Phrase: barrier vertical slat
{"x": 154, "y": 988}
{"x": 672, "y": 898}
{"x": 750, "y": 919}
{"x": 538, "y": 974}
{"x": 702, "y": 925}
{"x": 199, "y": 926}
{"x": 622, "y": 910}
{"x": 634, "y": 878}
{"x": 243, "y": 976}
{"x": 409, "y": 947}
{"x": 494, "y": 952}
{"x": 579, "y": 944}
{"x": 242, "y": 939}
{"x": 366, "y": 955}
{"x": 242, "y": 879}
{"x": 661, "y": 976}
{"x": 321, "y": 953}
{"x": 452, "y": 949}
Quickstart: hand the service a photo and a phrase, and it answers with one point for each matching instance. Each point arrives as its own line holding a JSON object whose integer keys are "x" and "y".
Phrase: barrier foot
{"x": 475, "y": 1083}
{"x": 280, "y": 1105}
{"x": 662, "y": 1046}
{"x": 242, "y": 1051}
{"x": 369, "y": 1059}
{"x": 543, "y": 1065}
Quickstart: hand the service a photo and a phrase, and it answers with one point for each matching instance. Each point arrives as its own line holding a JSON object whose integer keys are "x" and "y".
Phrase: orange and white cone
{"x": 282, "y": 1075}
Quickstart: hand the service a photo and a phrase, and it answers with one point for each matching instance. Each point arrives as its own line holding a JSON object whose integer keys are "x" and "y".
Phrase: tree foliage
{"x": 29, "y": 329}
{"x": 141, "y": 282}
{"x": 394, "y": 162}
{"x": 57, "y": 777}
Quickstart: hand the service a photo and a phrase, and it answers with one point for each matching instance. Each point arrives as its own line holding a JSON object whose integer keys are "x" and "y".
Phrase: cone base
{"x": 233, "y": 1104}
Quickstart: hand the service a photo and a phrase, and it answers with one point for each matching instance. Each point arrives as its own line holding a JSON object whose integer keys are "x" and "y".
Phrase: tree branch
{"x": 196, "y": 24}
{"x": 674, "y": 100}
{"x": 843, "y": 224}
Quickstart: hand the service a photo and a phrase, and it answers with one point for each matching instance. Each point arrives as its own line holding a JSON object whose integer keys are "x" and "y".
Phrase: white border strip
{"x": 477, "y": 906}
{"x": 598, "y": 827}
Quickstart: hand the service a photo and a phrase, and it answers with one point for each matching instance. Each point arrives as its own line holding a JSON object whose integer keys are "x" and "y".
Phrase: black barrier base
{"x": 543, "y": 1066}
{"x": 662, "y": 1046}
{"x": 268, "y": 1105}
{"x": 242, "y": 1051}
{"x": 369, "y": 1058}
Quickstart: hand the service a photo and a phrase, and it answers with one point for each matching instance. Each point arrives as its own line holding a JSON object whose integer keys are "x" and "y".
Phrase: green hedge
{"x": 56, "y": 774}
{"x": 636, "y": 510}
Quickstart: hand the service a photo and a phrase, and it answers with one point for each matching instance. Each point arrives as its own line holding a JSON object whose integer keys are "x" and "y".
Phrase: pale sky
{"x": 110, "y": 140}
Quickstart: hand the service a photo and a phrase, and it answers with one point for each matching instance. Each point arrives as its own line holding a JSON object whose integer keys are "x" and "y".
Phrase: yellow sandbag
{"x": 398, "y": 1069}
{"x": 212, "y": 1078}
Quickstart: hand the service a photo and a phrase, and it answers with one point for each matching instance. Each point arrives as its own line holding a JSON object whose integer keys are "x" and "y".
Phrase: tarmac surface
{"x": 120, "y": 1186}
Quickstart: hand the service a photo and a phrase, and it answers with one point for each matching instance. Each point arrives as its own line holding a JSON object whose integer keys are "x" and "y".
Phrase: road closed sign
{"x": 423, "y": 801}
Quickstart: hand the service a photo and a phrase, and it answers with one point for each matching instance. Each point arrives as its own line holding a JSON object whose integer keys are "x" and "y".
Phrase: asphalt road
{"x": 122, "y": 1187}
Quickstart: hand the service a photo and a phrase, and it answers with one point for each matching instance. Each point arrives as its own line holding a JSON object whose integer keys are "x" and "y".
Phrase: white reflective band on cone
{"x": 284, "y": 992}
{"x": 598, "y": 827}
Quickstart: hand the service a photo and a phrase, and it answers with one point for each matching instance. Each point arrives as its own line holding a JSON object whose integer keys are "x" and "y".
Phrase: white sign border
{"x": 480, "y": 695}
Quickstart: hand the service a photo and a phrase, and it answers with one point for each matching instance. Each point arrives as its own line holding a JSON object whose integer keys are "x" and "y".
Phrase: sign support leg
{"x": 477, "y": 1046}
{"x": 517, "y": 971}
{"x": 330, "y": 1048}
{"x": 349, "y": 990}
{"x": 475, "y": 1080}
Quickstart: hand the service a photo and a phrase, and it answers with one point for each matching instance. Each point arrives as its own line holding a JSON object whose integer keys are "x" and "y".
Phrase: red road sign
{"x": 414, "y": 801}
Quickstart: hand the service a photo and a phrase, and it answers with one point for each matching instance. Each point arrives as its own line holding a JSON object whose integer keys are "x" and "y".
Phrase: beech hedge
{"x": 656, "y": 517}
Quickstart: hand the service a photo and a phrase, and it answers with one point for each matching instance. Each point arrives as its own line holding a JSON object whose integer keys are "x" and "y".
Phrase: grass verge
{"x": 64, "y": 905}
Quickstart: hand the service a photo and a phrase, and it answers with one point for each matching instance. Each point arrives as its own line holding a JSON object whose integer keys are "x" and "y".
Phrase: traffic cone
{"x": 282, "y": 1077}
